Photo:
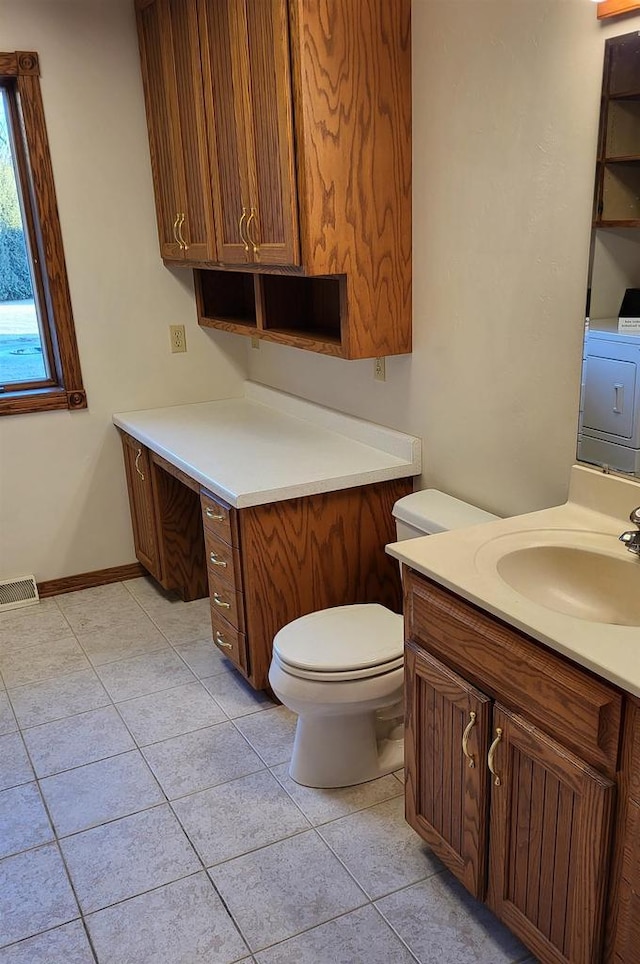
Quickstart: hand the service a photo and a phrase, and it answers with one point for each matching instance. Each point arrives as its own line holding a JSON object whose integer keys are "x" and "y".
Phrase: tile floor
{"x": 147, "y": 815}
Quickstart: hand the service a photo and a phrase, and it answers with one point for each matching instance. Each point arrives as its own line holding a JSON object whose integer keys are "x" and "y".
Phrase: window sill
{"x": 42, "y": 400}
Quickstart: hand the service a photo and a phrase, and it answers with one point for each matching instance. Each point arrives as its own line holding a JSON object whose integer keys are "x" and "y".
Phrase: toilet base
{"x": 343, "y": 750}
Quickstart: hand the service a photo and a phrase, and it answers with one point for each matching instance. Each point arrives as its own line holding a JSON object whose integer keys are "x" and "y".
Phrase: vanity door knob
{"x": 216, "y": 561}
{"x": 138, "y": 457}
{"x": 212, "y": 514}
{"x": 465, "y": 740}
{"x": 491, "y": 759}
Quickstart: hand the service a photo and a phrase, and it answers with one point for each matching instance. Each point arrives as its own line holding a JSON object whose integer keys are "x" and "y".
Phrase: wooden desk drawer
{"x": 229, "y": 641}
{"x": 219, "y": 518}
{"x": 562, "y": 699}
{"x": 223, "y": 563}
{"x": 228, "y": 604}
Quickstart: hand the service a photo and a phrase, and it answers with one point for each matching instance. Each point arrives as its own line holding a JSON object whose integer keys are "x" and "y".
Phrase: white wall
{"x": 505, "y": 112}
{"x": 63, "y": 506}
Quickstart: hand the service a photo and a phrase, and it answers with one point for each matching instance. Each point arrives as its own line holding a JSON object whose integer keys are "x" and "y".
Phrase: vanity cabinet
{"x": 168, "y": 32}
{"x": 146, "y": 539}
{"x": 512, "y": 756}
{"x": 290, "y": 123}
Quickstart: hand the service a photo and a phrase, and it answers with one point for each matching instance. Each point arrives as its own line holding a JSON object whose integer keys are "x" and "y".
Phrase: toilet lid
{"x": 342, "y": 639}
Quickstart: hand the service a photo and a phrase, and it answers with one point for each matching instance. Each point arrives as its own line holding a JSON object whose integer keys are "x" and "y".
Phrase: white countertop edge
{"x": 398, "y": 444}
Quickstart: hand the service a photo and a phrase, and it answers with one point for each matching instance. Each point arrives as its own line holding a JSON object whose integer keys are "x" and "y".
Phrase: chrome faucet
{"x": 632, "y": 538}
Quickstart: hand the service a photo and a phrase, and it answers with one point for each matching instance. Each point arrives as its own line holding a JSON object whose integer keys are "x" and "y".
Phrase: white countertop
{"x": 464, "y": 561}
{"x": 269, "y": 446}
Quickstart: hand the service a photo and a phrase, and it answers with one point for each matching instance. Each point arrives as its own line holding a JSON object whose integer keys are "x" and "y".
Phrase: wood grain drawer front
{"x": 229, "y": 641}
{"x": 565, "y": 701}
{"x": 219, "y": 518}
{"x": 228, "y": 604}
{"x": 223, "y": 563}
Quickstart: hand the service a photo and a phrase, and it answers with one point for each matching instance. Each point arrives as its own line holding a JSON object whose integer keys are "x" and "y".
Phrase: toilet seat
{"x": 313, "y": 646}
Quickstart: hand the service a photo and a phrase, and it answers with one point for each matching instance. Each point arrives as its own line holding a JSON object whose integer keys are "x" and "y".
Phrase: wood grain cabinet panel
{"x": 146, "y": 539}
{"x": 168, "y": 32}
{"x": 541, "y": 825}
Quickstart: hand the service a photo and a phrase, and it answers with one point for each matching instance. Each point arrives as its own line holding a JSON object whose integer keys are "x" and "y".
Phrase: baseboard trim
{"x": 88, "y": 580}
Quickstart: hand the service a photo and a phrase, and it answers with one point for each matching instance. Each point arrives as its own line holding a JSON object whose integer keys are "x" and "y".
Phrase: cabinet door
{"x": 248, "y": 97}
{"x": 549, "y": 842}
{"x": 446, "y": 741}
{"x": 172, "y": 77}
{"x": 141, "y": 503}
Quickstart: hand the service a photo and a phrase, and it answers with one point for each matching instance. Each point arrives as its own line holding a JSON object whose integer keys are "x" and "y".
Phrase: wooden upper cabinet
{"x": 168, "y": 32}
{"x": 245, "y": 61}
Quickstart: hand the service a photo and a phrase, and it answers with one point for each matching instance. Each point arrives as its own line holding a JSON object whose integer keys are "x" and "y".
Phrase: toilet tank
{"x": 429, "y": 511}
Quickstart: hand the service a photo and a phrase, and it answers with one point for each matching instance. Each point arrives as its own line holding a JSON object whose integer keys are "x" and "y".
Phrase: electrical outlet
{"x": 378, "y": 370}
{"x": 178, "y": 338}
{"x": 255, "y": 342}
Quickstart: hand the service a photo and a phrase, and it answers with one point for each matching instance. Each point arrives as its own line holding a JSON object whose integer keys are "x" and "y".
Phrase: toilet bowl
{"x": 342, "y": 670}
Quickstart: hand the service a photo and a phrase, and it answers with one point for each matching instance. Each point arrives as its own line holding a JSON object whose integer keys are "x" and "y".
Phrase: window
{"x": 39, "y": 362}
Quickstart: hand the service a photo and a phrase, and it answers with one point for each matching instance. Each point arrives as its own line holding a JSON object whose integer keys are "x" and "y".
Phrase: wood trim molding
{"x": 614, "y": 8}
{"x": 89, "y": 580}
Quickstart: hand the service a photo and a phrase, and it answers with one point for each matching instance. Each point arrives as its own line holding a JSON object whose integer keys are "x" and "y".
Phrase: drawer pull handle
{"x": 215, "y": 561}
{"x": 465, "y": 740}
{"x": 212, "y": 514}
{"x": 492, "y": 752}
{"x": 138, "y": 457}
{"x": 220, "y": 640}
{"x": 219, "y": 602}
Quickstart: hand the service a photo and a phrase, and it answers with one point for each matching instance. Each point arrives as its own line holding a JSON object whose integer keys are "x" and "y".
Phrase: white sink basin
{"x": 594, "y": 579}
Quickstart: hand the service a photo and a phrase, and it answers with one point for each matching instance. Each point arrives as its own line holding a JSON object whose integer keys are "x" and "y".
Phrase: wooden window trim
{"x": 65, "y": 389}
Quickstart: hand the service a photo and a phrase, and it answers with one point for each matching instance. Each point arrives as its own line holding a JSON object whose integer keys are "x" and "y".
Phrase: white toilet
{"x": 341, "y": 669}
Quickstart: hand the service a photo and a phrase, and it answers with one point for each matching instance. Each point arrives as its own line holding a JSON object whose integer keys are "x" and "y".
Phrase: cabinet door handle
{"x": 254, "y": 245}
{"x": 219, "y": 602}
{"x": 242, "y": 235}
{"x": 220, "y": 640}
{"x": 138, "y": 457}
{"x": 465, "y": 740}
{"x": 492, "y": 752}
{"x": 175, "y": 231}
{"x": 216, "y": 561}
{"x": 183, "y": 243}
{"x": 212, "y": 514}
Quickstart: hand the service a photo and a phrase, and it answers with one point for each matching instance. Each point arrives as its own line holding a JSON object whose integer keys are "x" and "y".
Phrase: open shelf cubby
{"x": 290, "y": 309}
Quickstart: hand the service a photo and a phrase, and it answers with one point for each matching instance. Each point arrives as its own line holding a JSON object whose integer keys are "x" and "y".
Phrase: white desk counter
{"x": 269, "y": 446}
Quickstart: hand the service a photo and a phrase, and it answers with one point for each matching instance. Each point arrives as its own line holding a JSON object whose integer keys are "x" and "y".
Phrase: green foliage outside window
{"x": 15, "y": 277}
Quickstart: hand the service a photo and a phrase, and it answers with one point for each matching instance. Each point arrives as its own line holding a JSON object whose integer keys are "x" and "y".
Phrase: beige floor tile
{"x": 127, "y": 857}
{"x": 35, "y": 894}
{"x": 34, "y": 624}
{"x": 170, "y": 713}
{"x": 134, "y": 638}
{"x": 89, "y": 795}
{"x": 201, "y": 759}
{"x": 270, "y": 733}
{"x": 23, "y": 820}
{"x": 180, "y": 923}
{"x": 55, "y": 699}
{"x": 213, "y": 823}
{"x": 182, "y": 622}
{"x": 380, "y": 849}
{"x": 321, "y": 806}
{"x": 286, "y": 888}
{"x": 96, "y": 610}
{"x": 8, "y": 722}
{"x": 14, "y": 762}
{"x": 62, "y": 945}
{"x": 202, "y": 657}
{"x": 443, "y": 924}
{"x": 232, "y": 692}
{"x": 43, "y": 660}
{"x": 361, "y": 937}
{"x": 77, "y": 740}
{"x": 140, "y": 675}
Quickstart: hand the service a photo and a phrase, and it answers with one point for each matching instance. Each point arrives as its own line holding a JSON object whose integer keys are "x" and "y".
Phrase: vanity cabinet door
{"x": 142, "y": 505}
{"x": 549, "y": 845}
{"x": 446, "y": 742}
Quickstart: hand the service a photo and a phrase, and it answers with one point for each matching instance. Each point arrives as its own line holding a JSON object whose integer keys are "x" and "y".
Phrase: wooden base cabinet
{"x": 493, "y": 782}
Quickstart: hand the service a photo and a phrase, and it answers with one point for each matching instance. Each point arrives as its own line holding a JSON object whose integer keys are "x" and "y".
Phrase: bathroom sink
{"x": 579, "y": 581}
